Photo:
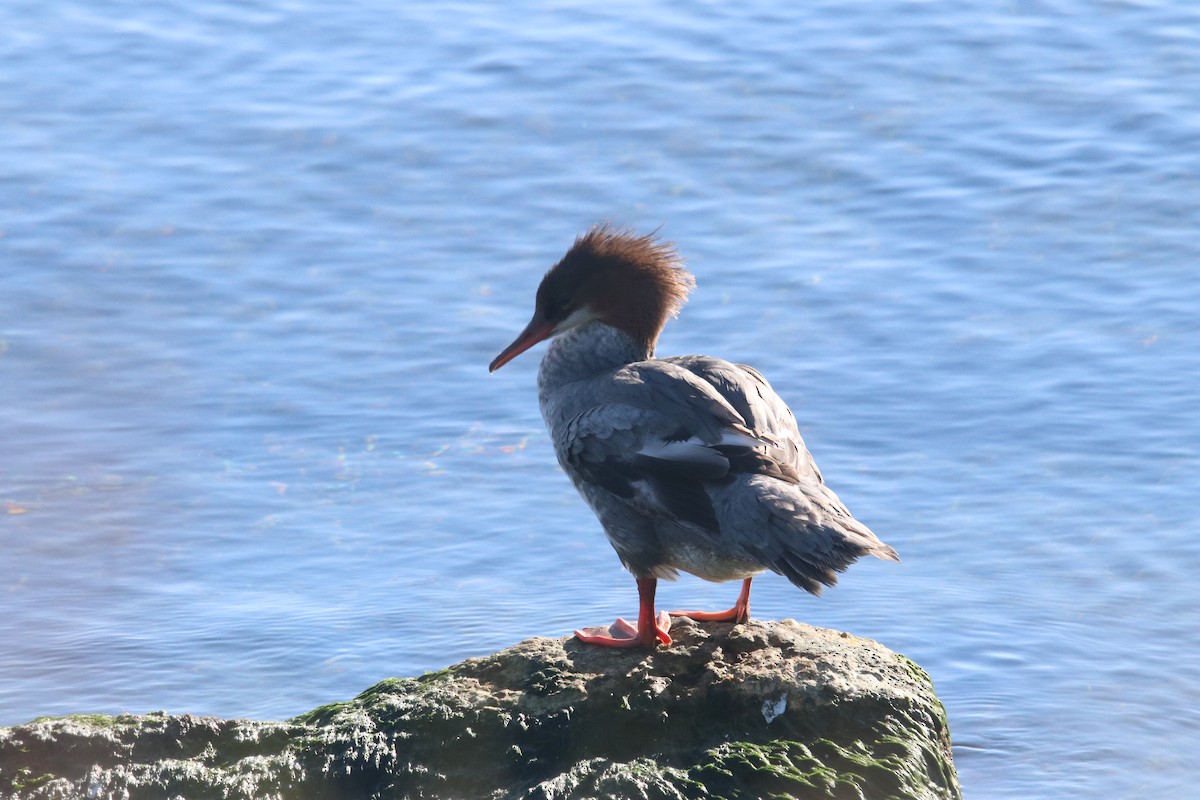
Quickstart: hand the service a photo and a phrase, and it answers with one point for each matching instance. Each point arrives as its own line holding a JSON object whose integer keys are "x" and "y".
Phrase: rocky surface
{"x": 764, "y": 709}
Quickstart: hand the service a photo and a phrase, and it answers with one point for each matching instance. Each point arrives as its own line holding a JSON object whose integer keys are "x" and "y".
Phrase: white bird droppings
{"x": 773, "y": 708}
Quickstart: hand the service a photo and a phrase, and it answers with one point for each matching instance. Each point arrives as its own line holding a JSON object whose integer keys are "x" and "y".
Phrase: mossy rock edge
{"x": 760, "y": 710}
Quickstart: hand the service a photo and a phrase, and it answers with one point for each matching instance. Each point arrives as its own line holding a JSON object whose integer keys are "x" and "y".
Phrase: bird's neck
{"x": 587, "y": 351}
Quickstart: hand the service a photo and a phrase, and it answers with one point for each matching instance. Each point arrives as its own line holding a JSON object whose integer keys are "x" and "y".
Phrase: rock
{"x": 763, "y": 709}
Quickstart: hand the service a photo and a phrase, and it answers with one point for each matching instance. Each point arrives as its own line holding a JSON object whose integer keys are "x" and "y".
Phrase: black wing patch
{"x": 661, "y": 486}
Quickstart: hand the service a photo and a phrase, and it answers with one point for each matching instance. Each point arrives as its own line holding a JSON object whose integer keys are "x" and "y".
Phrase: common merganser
{"x": 691, "y": 463}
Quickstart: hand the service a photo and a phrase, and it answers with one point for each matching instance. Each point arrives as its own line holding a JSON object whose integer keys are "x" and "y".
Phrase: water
{"x": 256, "y": 257}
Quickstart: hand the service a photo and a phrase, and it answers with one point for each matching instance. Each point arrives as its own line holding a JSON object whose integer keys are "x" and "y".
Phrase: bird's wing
{"x": 663, "y": 430}
{"x": 771, "y": 516}
{"x": 780, "y": 451}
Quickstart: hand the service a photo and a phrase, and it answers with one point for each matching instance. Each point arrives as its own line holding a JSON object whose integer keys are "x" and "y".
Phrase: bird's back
{"x": 773, "y": 504}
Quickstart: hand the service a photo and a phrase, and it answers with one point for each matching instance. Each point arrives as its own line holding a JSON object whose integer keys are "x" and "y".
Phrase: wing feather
{"x": 666, "y": 430}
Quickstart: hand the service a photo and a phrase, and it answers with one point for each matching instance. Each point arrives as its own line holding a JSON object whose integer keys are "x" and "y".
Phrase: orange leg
{"x": 739, "y": 613}
{"x": 649, "y": 631}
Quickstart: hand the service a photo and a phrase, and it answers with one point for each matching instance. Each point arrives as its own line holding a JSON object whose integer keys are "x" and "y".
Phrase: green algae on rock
{"x": 763, "y": 709}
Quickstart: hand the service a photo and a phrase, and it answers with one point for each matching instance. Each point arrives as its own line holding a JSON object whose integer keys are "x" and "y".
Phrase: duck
{"x": 691, "y": 463}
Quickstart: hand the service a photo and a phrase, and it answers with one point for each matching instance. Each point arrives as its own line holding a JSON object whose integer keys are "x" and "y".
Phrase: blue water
{"x": 255, "y": 258}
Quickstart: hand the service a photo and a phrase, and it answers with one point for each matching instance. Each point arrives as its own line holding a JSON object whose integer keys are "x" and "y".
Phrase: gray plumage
{"x": 690, "y": 463}
{"x": 694, "y": 463}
